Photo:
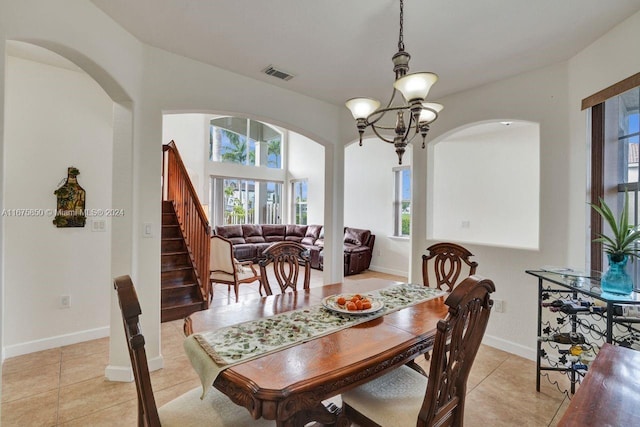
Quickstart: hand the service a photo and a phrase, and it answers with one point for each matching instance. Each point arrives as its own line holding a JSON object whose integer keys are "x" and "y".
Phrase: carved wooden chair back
{"x": 447, "y": 264}
{"x": 457, "y": 342}
{"x": 226, "y": 269}
{"x": 439, "y": 399}
{"x": 130, "y": 307}
{"x": 288, "y": 259}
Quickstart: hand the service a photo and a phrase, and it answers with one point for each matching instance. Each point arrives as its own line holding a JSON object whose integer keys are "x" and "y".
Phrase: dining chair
{"x": 189, "y": 409}
{"x": 447, "y": 264}
{"x": 404, "y": 397}
{"x": 227, "y": 270}
{"x": 287, "y": 259}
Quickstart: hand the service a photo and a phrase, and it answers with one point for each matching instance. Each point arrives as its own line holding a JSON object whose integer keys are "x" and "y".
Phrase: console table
{"x": 610, "y": 393}
{"x": 596, "y": 325}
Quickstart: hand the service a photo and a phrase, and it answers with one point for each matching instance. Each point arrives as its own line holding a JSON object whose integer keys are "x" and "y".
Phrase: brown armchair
{"x": 227, "y": 270}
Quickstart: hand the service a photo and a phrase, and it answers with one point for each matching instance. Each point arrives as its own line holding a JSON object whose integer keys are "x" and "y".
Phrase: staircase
{"x": 180, "y": 291}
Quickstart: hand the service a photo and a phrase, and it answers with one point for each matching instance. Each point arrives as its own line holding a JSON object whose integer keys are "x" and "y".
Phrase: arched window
{"x": 245, "y": 141}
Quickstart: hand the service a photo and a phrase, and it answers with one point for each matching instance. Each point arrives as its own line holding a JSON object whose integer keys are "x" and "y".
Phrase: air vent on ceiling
{"x": 273, "y": 71}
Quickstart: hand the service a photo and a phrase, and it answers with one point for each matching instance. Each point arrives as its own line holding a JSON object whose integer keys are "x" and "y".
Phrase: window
{"x": 615, "y": 142}
{"x": 300, "y": 201}
{"x": 248, "y": 201}
{"x": 244, "y": 141}
{"x": 402, "y": 201}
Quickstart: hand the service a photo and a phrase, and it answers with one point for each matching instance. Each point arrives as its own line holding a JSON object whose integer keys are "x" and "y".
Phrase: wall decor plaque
{"x": 70, "y": 210}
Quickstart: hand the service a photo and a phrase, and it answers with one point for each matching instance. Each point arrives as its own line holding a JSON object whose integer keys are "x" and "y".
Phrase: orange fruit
{"x": 341, "y": 301}
{"x": 351, "y": 306}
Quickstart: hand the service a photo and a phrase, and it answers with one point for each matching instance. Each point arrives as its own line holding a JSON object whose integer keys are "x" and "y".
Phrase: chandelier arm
{"x": 380, "y": 112}
{"x": 375, "y": 130}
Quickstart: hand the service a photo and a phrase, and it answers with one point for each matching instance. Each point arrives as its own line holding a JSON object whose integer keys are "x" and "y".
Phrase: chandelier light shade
{"x": 413, "y": 114}
{"x": 361, "y": 108}
{"x": 415, "y": 86}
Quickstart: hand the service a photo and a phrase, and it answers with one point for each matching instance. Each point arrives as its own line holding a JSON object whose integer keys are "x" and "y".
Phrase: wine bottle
{"x": 564, "y": 338}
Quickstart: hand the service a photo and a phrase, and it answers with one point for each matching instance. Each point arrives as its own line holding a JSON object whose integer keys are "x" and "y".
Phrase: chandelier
{"x": 412, "y": 113}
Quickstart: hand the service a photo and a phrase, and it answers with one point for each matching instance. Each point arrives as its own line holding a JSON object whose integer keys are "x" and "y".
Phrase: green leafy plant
{"x": 624, "y": 235}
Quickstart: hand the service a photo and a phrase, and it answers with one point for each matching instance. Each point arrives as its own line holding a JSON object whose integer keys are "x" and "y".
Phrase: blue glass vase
{"x": 616, "y": 280}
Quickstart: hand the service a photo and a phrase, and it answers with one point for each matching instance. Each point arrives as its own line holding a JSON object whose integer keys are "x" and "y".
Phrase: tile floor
{"x": 66, "y": 386}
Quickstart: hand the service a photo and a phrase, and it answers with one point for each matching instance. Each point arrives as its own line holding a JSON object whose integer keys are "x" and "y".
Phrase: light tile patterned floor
{"x": 66, "y": 386}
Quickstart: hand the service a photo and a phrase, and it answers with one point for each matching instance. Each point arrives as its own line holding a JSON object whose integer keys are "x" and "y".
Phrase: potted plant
{"x": 619, "y": 247}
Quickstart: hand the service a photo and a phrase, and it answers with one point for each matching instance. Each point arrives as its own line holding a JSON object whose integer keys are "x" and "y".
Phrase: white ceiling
{"x": 340, "y": 49}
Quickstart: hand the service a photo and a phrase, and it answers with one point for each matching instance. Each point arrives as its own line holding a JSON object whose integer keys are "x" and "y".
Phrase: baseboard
{"x": 402, "y": 273}
{"x": 510, "y": 347}
{"x": 54, "y": 342}
{"x": 125, "y": 373}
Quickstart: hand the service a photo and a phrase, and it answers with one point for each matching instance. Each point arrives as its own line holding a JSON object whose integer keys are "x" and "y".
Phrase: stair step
{"x": 171, "y": 231}
{"x": 174, "y": 261}
{"x": 185, "y": 275}
{"x": 167, "y": 207}
{"x": 168, "y": 285}
{"x": 169, "y": 219}
{"x": 173, "y": 244}
{"x": 180, "y": 312}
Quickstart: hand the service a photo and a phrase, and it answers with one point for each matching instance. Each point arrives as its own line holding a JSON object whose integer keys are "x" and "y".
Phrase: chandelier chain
{"x": 401, "y": 37}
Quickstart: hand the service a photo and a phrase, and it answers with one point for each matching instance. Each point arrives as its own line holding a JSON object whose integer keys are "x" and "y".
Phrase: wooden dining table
{"x": 609, "y": 396}
{"x": 288, "y": 386}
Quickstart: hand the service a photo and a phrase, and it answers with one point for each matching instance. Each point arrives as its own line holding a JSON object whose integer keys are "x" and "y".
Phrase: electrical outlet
{"x": 498, "y": 305}
{"x": 65, "y": 301}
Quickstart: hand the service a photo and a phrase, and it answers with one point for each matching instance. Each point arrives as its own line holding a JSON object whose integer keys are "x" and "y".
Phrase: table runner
{"x": 213, "y": 351}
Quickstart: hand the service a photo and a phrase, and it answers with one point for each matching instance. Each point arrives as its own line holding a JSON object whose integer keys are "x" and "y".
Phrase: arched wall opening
{"x": 59, "y": 114}
{"x": 484, "y": 182}
{"x": 301, "y": 158}
{"x": 369, "y": 187}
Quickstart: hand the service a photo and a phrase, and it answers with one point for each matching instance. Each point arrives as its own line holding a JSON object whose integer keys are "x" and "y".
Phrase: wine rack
{"x": 574, "y": 310}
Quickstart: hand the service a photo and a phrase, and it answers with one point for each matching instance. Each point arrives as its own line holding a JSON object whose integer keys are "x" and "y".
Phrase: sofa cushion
{"x": 311, "y": 235}
{"x": 252, "y": 233}
{"x": 350, "y": 248}
{"x": 260, "y": 248}
{"x": 320, "y": 240}
{"x": 273, "y": 232}
{"x": 295, "y": 232}
{"x": 356, "y": 236}
{"x": 244, "y": 251}
{"x": 231, "y": 232}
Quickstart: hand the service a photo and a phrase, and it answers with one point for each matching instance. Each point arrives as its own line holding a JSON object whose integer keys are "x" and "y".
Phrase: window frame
{"x": 295, "y": 204}
{"x": 606, "y": 170}
{"x": 399, "y": 201}
{"x": 256, "y": 153}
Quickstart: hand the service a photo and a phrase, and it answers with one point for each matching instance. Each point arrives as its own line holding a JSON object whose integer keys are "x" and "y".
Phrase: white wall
{"x": 368, "y": 201}
{"x": 486, "y": 186}
{"x": 306, "y": 161}
{"x": 540, "y": 96}
{"x": 55, "y": 118}
{"x": 190, "y": 132}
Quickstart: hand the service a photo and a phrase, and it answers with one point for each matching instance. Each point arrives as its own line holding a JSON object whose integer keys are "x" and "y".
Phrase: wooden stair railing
{"x": 178, "y": 188}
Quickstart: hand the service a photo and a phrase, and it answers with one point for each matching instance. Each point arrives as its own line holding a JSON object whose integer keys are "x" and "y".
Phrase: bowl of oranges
{"x": 352, "y": 303}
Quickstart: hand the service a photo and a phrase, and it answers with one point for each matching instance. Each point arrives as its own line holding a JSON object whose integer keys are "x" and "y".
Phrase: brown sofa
{"x": 250, "y": 240}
